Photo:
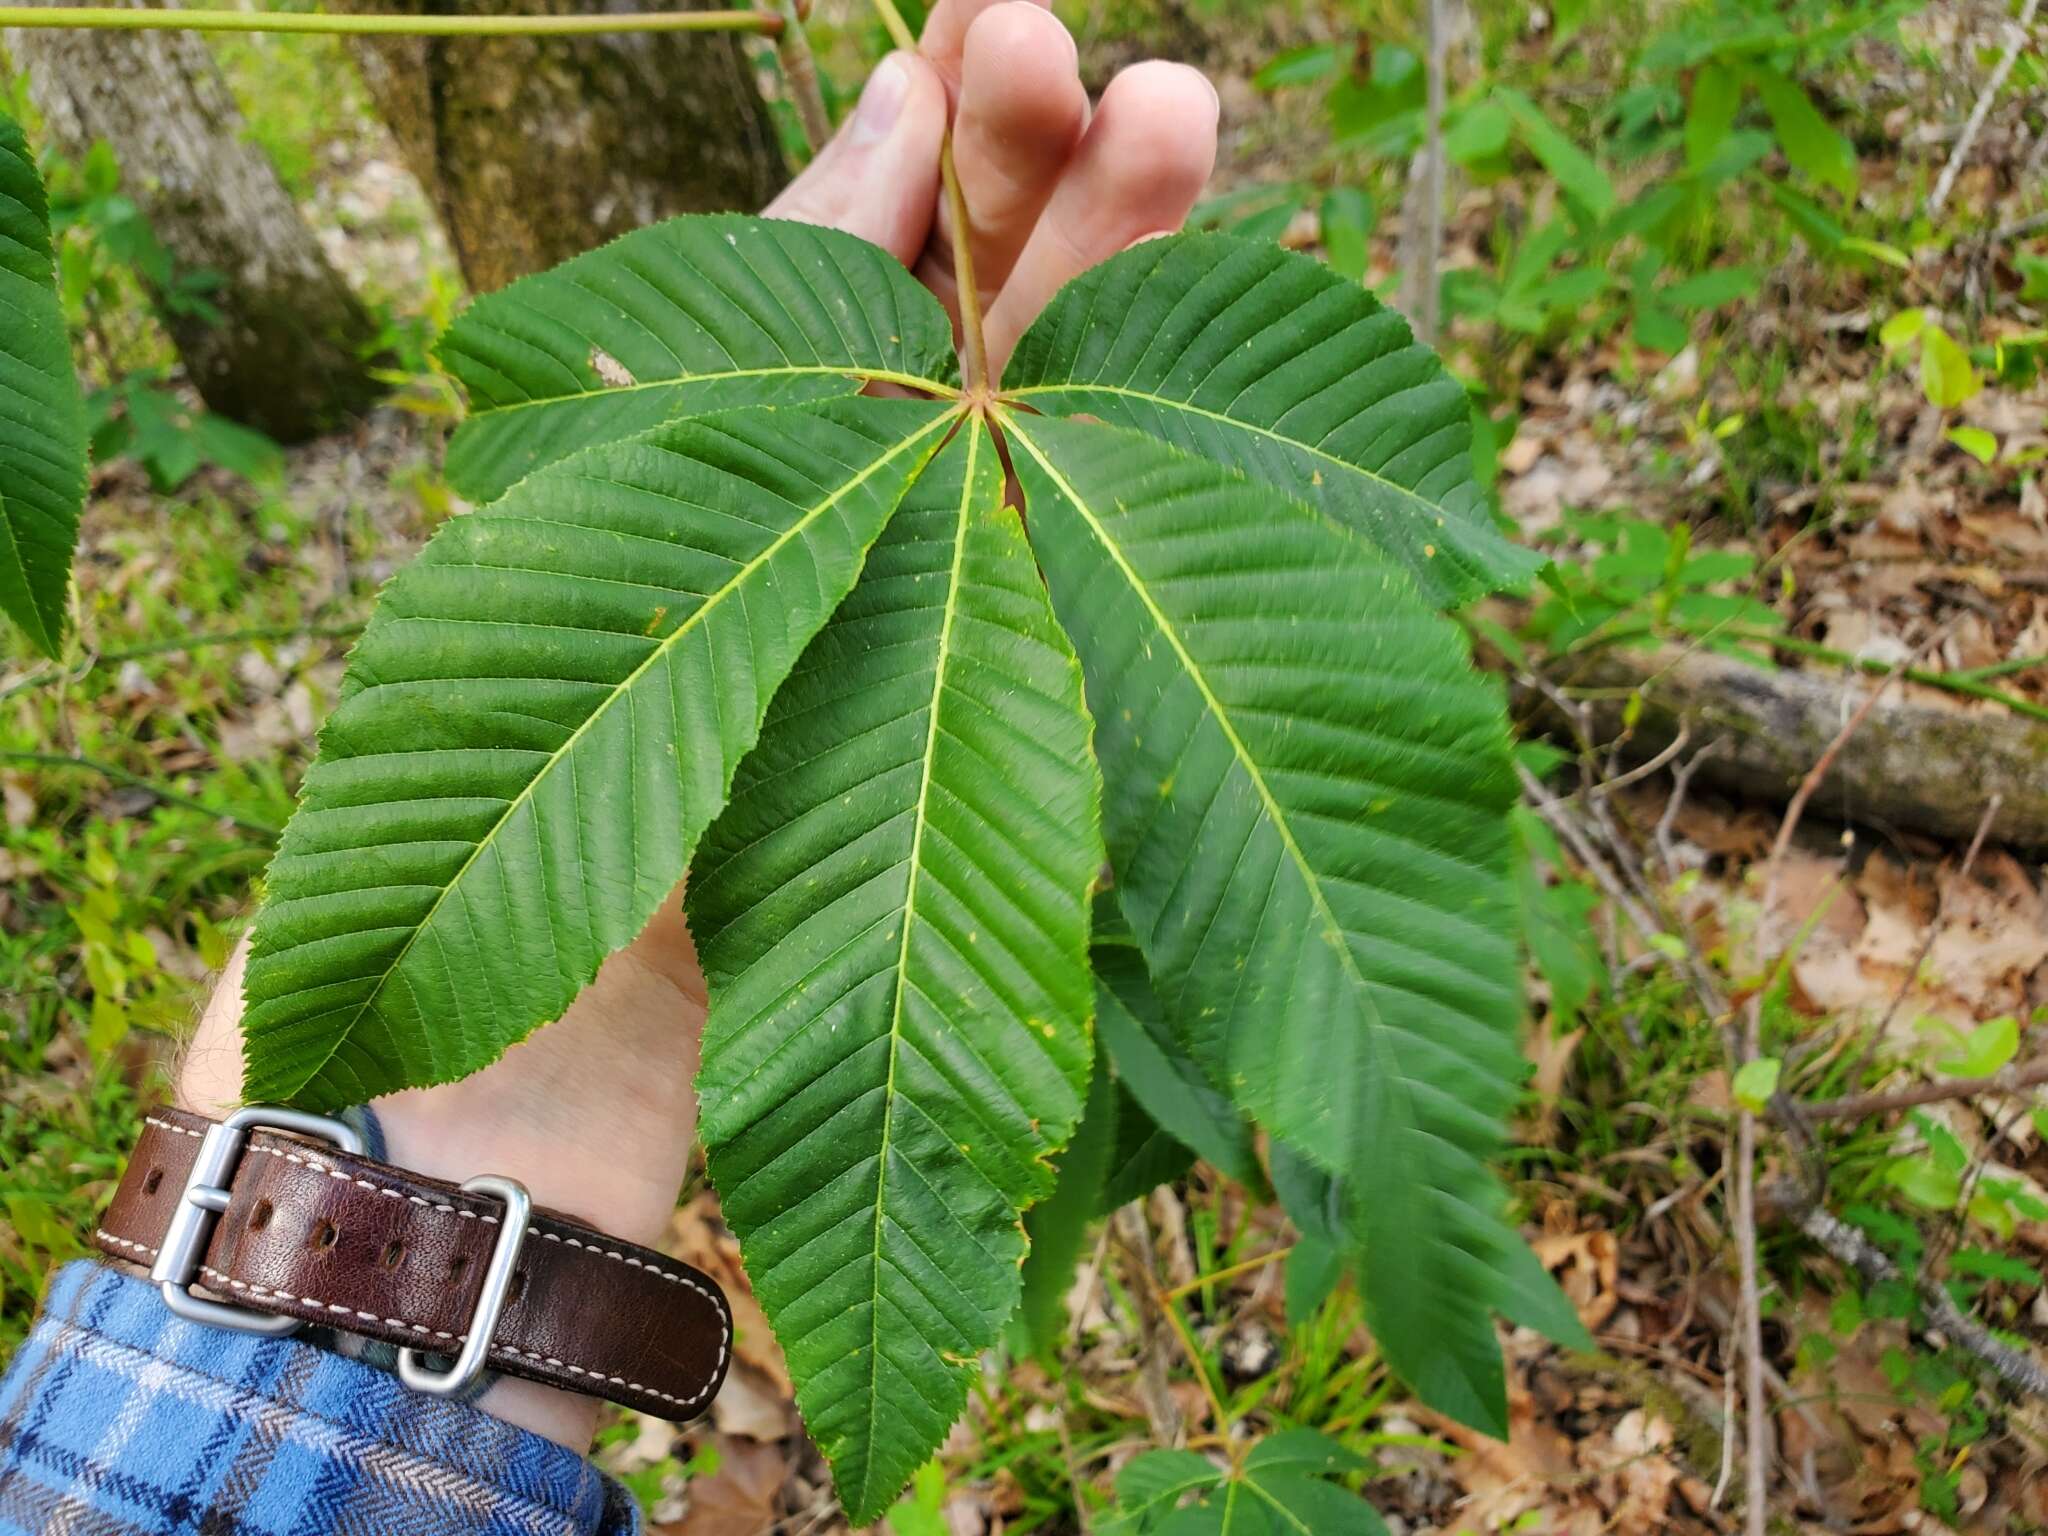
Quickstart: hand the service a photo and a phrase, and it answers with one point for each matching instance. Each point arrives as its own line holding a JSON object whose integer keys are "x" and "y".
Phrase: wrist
{"x": 595, "y": 1114}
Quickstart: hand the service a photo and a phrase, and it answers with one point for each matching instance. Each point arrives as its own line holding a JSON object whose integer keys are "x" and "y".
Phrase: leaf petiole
{"x": 974, "y": 345}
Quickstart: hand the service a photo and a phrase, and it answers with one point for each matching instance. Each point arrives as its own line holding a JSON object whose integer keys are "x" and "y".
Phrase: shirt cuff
{"x": 116, "y": 1412}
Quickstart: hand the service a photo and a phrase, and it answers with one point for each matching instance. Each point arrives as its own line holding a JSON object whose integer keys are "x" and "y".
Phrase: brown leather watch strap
{"x": 315, "y": 1233}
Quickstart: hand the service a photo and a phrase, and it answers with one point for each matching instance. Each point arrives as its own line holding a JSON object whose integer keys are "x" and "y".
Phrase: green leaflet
{"x": 893, "y": 916}
{"x": 1306, "y": 810}
{"x": 1144, "y": 1156}
{"x": 500, "y": 800}
{"x": 1155, "y": 1071}
{"x": 1809, "y": 140}
{"x": 1057, "y": 1227}
{"x": 42, "y": 415}
{"x": 1238, "y": 351}
{"x": 678, "y": 319}
{"x": 1279, "y": 1491}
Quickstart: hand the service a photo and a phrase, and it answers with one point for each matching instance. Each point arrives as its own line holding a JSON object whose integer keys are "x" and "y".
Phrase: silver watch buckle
{"x": 491, "y": 1296}
{"x": 206, "y": 1195}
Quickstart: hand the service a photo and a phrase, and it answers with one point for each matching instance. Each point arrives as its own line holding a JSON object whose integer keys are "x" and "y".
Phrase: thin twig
{"x": 123, "y": 19}
{"x": 1560, "y": 820}
{"x": 1756, "y": 1407}
{"x": 2015, "y": 1079}
{"x": 95, "y": 660}
{"x": 1426, "y": 242}
{"x": 1648, "y": 766}
{"x": 1851, "y": 1247}
{"x": 136, "y": 781}
{"x": 1796, "y": 808}
{"x": 800, "y": 72}
{"x": 1231, "y": 1272}
{"x": 2015, "y": 41}
{"x": 1160, "y": 1409}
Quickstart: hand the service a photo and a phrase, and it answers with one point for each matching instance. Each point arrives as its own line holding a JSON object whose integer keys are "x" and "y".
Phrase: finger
{"x": 1140, "y": 167}
{"x": 1022, "y": 110}
{"x": 879, "y": 177}
{"x": 945, "y": 34}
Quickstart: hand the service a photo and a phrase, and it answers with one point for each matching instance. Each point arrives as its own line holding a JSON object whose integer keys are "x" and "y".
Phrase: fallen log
{"x": 1922, "y": 761}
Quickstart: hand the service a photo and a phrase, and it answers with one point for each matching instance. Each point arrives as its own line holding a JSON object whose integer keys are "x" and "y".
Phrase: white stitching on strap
{"x": 327, "y": 1306}
{"x": 617, "y": 1381}
{"x": 121, "y": 1242}
{"x": 718, "y": 1303}
{"x": 335, "y": 1173}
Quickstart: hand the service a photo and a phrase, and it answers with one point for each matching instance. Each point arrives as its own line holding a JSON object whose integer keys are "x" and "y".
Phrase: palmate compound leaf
{"x": 42, "y": 416}
{"x": 1262, "y": 359}
{"x": 893, "y": 914}
{"x": 1306, "y": 803}
{"x": 678, "y": 319}
{"x": 544, "y": 714}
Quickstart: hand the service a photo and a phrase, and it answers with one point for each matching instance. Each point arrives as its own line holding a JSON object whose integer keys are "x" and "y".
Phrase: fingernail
{"x": 881, "y": 103}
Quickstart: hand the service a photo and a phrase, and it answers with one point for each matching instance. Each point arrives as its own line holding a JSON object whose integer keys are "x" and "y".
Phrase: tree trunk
{"x": 536, "y": 149}
{"x": 287, "y": 353}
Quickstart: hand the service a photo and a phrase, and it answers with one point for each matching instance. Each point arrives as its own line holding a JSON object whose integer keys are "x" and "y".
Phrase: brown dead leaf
{"x": 1646, "y": 1475}
{"x": 739, "y": 1498}
{"x": 1552, "y": 1056}
{"x": 1994, "y": 933}
{"x": 1585, "y": 1264}
{"x": 751, "y": 1407}
{"x": 19, "y": 801}
{"x": 697, "y": 1236}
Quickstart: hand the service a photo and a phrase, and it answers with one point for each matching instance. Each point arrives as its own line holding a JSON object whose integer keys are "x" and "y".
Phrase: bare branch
{"x": 2015, "y": 1079}
{"x": 1851, "y": 1247}
{"x": 2016, "y": 39}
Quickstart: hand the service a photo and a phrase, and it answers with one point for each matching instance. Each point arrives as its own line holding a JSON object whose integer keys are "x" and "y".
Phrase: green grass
{"x": 124, "y": 889}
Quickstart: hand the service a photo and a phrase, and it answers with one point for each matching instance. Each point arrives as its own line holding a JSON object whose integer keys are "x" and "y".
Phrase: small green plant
{"x": 108, "y": 260}
{"x": 1641, "y": 584}
{"x": 1717, "y": 93}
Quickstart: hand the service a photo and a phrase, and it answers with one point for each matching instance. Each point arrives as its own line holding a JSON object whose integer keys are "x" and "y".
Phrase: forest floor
{"x": 143, "y": 788}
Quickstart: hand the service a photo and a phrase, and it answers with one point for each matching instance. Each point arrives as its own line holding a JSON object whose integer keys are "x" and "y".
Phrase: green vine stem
{"x": 1969, "y": 684}
{"x": 974, "y": 344}
{"x": 122, "y": 19}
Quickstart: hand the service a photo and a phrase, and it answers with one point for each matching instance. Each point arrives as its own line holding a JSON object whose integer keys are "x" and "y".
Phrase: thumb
{"x": 879, "y": 177}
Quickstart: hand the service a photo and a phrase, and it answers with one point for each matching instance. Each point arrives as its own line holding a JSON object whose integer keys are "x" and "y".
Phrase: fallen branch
{"x": 1851, "y": 1247}
{"x": 1917, "y": 764}
{"x": 2015, "y": 1079}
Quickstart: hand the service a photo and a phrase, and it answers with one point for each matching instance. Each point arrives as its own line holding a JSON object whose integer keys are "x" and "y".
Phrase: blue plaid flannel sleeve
{"x": 117, "y": 1417}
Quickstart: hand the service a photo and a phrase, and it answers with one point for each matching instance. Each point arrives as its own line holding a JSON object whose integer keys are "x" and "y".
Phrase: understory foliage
{"x": 724, "y": 613}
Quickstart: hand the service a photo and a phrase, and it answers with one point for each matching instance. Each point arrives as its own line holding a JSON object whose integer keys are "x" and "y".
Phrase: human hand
{"x": 1051, "y": 189}
{"x": 596, "y": 1113}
